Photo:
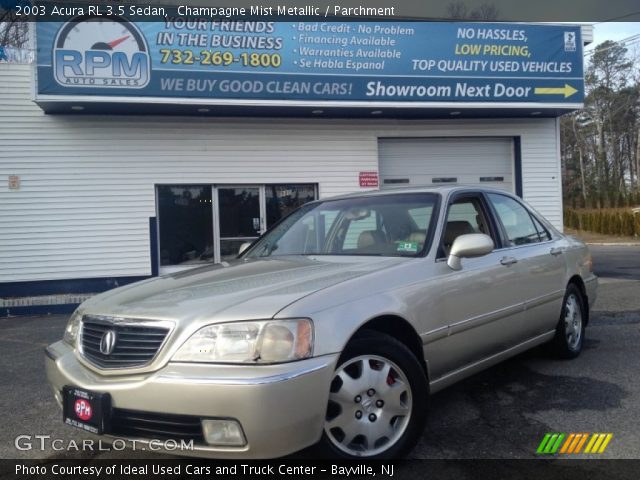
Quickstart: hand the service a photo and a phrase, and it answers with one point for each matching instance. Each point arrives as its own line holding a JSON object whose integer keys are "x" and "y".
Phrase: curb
{"x": 613, "y": 244}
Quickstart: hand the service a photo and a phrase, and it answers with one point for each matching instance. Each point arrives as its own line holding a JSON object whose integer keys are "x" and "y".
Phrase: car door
{"x": 539, "y": 260}
{"x": 480, "y": 307}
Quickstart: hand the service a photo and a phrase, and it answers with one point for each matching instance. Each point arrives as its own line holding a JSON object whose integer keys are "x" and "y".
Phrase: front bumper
{"x": 281, "y": 408}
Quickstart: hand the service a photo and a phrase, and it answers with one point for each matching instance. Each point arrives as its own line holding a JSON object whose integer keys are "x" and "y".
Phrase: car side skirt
{"x": 468, "y": 370}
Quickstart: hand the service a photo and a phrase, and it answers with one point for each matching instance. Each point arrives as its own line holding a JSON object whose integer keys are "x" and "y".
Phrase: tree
{"x": 601, "y": 144}
{"x": 14, "y": 30}
{"x": 458, "y": 11}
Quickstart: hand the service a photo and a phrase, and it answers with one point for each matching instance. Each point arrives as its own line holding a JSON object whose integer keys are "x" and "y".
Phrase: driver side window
{"x": 465, "y": 216}
{"x": 518, "y": 223}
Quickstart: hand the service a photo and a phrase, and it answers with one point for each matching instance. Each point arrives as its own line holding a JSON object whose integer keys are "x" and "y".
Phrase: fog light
{"x": 223, "y": 432}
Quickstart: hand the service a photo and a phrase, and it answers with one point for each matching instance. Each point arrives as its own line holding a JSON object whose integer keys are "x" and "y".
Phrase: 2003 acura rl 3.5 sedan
{"x": 333, "y": 327}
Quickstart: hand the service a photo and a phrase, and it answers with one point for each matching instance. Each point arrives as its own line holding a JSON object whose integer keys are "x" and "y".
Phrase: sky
{"x": 615, "y": 31}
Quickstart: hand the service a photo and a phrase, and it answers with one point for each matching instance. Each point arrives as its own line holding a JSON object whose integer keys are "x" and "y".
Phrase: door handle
{"x": 506, "y": 261}
{"x": 556, "y": 251}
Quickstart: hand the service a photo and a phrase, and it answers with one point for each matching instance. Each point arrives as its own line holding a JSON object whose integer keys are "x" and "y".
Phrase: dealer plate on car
{"x": 87, "y": 410}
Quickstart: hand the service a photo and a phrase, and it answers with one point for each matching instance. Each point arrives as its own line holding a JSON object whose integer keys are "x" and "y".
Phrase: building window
{"x": 239, "y": 217}
{"x": 188, "y": 216}
{"x": 281, "y": 200}
{"x": 185, "y": 224}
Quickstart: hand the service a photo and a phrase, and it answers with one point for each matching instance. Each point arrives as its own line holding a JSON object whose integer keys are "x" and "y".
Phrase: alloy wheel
{"x": 573, "y": 321}
{"x": 369, "y": 407}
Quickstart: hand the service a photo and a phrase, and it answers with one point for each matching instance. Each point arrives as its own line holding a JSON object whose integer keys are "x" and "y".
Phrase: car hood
{"x": 240, "y": 290}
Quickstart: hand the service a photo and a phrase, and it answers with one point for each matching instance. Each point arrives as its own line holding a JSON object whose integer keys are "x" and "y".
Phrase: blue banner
{"x": 400, "y": 62}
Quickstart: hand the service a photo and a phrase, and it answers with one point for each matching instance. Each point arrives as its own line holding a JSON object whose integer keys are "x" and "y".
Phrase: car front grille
{"x": 134, "y": 346}
{"x": 161, "y": 426}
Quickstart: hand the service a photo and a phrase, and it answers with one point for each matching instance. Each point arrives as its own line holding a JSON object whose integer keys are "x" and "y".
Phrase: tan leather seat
{"x": 371, "y": 237}
{"x": 454, "y": 230}
{"x": 418, "y": 237}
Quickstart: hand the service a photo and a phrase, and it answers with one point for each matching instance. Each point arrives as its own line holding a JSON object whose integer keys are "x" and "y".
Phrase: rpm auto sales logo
{"x": 83, "y": 409}
{"x": 101, "y": 52}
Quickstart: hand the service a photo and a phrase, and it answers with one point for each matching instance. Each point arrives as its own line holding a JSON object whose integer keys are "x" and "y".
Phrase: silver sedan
{"x": 331, "y": 329}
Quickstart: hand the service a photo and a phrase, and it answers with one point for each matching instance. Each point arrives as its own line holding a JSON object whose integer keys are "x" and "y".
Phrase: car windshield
{"x": 383, "y": 225}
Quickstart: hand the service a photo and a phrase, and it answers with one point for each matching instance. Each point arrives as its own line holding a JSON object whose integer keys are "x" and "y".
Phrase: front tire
{"x": 377, "y": 401}
{"x": 570, "y": 330}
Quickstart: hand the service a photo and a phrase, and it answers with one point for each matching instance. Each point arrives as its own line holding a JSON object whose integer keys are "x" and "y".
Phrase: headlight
{"x": 72, "y": 329}
{"x": 271, "y": 341}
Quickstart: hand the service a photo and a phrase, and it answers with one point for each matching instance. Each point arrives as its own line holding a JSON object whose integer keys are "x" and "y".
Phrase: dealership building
{"x": 135, "y": 149}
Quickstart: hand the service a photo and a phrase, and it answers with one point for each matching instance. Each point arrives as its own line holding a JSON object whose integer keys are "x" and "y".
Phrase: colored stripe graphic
{"x": 581, "y": 443}
{"x": 543, "y": 443}
{"x": 552, "y": 443}
{"x": 556, "y": 445}
{"x": 607, "y": 439}
{"x": 598, "y": 443}
{"x": 565, "y": 447}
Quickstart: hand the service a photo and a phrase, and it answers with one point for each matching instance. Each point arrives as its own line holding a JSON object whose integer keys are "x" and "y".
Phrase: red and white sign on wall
{"x": 14, "y": 182}
{"x": 368, "y": 179}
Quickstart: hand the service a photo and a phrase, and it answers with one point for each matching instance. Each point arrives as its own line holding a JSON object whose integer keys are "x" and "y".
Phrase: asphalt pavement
{"x": 503, "y": 412}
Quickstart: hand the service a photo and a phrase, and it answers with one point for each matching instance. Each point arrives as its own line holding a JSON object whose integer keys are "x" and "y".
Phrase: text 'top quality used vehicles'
{"x": 333, "y": 327}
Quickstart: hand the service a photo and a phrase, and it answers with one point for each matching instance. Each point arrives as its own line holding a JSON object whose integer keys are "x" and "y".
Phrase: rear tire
{"x": 378, "y": 400}
{"x": 570, "y": 330}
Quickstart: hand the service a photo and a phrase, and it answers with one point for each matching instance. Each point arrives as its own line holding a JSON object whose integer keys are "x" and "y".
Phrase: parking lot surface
{"x": 503, "y": 412}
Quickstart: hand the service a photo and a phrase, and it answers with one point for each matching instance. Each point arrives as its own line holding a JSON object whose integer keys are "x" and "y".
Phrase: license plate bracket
{"x": 87, "y": 410}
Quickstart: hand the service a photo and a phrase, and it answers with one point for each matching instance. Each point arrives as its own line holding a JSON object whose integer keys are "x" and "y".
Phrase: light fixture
{"x": 317, "y": 112}
{"x": 204, "y": 110}
{"x": 77, "y": 108}
{"x": 454, "y": 113}
{"x": 223, "y": 432}
{"x": 376, "y": 112}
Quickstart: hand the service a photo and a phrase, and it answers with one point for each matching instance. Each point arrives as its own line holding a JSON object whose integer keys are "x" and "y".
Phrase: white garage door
{"x": 442, "y": 161}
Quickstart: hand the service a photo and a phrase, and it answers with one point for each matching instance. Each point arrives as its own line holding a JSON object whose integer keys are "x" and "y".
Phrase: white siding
{"x": 87, "y": 182}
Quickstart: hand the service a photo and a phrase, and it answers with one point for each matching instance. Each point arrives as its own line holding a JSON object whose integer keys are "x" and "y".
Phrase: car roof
{"x": 444, "y": 190}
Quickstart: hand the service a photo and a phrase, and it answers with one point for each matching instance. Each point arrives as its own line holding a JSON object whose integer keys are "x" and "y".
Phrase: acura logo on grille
{"x": 108, "y": 342}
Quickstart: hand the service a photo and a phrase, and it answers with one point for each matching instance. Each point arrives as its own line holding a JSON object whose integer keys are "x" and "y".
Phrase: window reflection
{"x": 239, "y": 212}
{"x": 185, "y": 224}
{"x": 185, "y": 218}
{"x": 284, "y": 199}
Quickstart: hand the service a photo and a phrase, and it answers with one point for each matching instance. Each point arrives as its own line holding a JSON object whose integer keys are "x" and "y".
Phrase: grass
{"x": 590, "y": 237}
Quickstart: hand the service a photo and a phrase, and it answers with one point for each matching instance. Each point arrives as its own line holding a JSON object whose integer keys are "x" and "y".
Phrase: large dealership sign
{"x": 291, "y": 62}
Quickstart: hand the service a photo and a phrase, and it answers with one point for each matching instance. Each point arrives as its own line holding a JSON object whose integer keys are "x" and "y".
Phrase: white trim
{"x": 45, "y": 300}
{"x": 263, "y": 209}
{"x": 34, "y": 65}
{"x": 215, "y": 211}
{"x": 373, "y": 77}
{"x": 559, "y": 171}
{"x": 300, "y": 103}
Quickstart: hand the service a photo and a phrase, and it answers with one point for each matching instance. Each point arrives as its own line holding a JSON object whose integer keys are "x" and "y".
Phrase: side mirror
{"x": 469, "y": 246}
{"x": 243, "y": 247}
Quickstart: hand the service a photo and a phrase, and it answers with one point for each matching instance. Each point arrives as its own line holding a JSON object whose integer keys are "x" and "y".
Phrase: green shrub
{"x": 608, "y": 221}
